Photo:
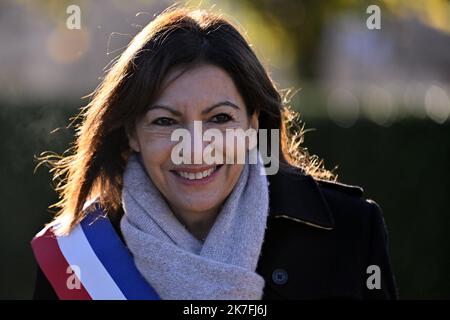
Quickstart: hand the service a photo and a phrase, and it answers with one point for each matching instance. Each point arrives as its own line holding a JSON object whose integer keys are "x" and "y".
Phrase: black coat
{"x": 321, "y": 237}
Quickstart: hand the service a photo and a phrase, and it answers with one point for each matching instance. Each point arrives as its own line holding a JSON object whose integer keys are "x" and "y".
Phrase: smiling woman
{"x": 135, "y": 224}
{"x": 195, "y": 95}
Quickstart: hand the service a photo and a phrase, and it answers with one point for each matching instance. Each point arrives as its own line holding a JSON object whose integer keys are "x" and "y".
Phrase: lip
{"x": 195, "y": 169}
{"x": 197, "y": 182}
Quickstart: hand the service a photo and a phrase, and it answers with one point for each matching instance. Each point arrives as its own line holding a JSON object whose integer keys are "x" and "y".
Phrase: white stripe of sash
{"x": 95, "y": 278}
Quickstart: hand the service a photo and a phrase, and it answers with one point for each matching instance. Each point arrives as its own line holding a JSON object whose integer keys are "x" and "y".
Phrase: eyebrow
{"x": 205, "y": 111}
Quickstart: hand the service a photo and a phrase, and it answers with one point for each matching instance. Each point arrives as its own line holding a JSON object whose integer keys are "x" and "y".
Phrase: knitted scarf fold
{"x": 178, "y": 265}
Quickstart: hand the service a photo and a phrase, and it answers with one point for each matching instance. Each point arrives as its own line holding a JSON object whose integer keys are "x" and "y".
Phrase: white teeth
{"x": 197, "y": 175}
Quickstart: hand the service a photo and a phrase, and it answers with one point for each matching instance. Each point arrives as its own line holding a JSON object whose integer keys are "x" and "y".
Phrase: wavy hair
{"x": 94, "y": 165}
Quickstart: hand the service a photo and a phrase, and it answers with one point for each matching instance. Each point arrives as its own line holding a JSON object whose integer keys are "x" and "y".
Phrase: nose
{"x": 197, "y": 143}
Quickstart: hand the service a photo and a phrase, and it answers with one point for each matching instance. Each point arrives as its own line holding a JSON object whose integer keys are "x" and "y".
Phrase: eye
{"x": 221, "y": 118}
{"x": 163, "y": 121}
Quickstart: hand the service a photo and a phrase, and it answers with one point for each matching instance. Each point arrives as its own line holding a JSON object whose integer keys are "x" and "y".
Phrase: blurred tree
{"x": 303, "y": 21}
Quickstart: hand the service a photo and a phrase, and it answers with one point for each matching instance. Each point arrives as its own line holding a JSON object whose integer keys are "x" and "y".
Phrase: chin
{"x": 199, "y": 205}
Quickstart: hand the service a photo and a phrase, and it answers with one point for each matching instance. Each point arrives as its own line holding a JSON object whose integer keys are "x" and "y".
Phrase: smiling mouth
{"x": 196, "y": 174}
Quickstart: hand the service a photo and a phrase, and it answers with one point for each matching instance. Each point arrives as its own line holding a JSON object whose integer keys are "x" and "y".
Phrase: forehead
{"x": 198, "y": 86}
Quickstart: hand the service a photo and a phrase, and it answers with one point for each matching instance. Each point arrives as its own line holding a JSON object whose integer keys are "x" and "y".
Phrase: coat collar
{"x": 297, "y": 196}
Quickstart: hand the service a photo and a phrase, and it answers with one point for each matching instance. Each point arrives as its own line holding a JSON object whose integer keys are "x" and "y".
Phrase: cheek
{"x": 155, "y": 152}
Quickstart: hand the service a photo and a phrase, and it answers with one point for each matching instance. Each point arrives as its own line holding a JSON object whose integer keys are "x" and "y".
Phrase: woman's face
{"x": 204, "y": 93}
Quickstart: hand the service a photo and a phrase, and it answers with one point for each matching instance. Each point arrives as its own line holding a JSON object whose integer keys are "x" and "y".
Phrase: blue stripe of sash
{"x": 115, "y": 257}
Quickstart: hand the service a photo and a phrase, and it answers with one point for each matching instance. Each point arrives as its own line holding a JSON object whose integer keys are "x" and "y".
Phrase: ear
{"x": 133, "y": 142}
{"x": 254, "y": 122}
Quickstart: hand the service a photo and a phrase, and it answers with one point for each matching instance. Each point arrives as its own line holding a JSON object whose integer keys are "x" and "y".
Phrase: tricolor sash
{"x": 90, "y": 263}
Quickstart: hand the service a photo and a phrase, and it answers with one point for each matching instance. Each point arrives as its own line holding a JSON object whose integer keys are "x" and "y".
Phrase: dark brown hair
{"x": 177, "y": 37}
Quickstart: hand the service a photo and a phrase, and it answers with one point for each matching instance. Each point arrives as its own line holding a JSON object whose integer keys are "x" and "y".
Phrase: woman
{"x": 133, "y": 223}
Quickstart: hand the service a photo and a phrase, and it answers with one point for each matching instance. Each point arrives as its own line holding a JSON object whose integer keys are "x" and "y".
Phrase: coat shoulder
{"x": 347, "y": 202}
{"x": 349, "y": 205}
{"x": 348, "y": 189}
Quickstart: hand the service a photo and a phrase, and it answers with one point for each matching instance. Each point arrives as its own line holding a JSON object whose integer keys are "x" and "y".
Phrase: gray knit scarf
{"x": 179, "y": 266}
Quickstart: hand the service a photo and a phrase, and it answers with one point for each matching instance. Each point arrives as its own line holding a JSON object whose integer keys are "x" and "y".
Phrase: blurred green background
{"x": 376, "y": 103}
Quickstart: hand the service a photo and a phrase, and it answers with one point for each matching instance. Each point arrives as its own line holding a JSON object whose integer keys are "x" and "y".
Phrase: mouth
{"x": 196, "y": 175}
